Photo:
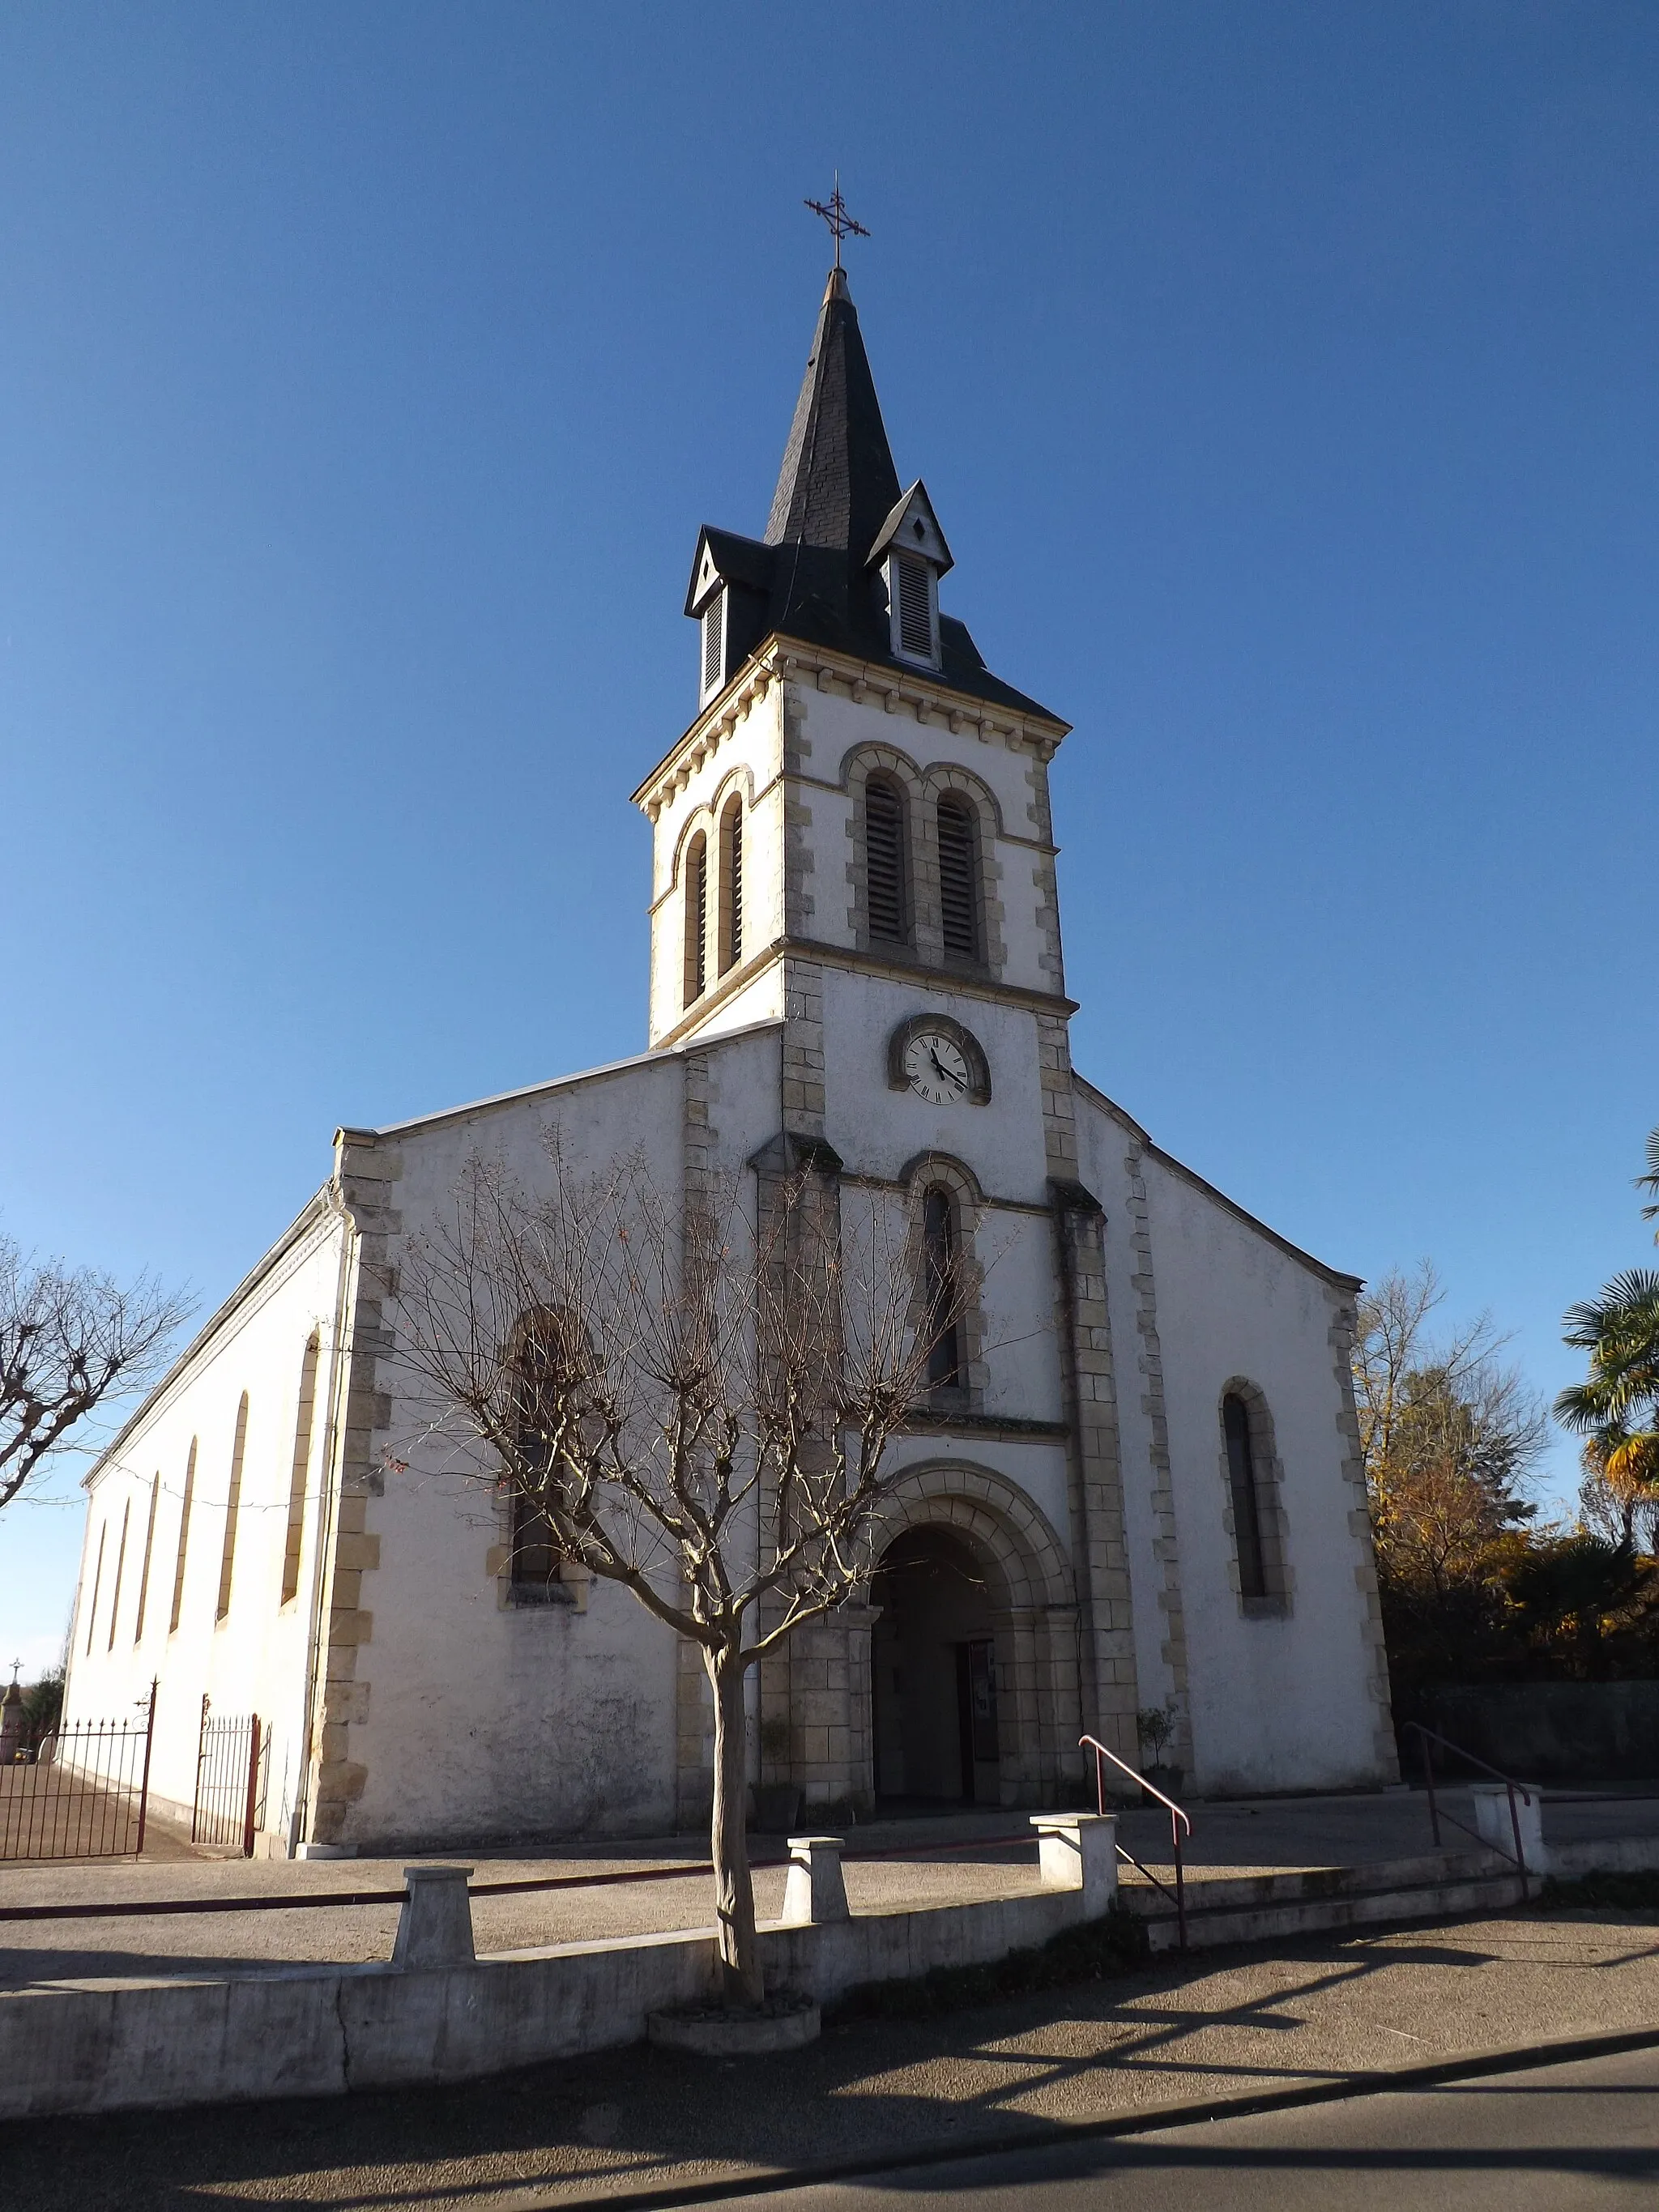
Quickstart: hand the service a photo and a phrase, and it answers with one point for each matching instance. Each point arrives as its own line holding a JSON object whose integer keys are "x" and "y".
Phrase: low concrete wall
{"x": 322, "y": 2031}
{"x": 1550, "y": 1731}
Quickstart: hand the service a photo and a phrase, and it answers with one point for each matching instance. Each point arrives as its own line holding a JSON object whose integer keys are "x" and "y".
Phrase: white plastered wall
{"x": 1283, "y": 1702}
{"x": 486, "y": 1719}
{"x": 253, "y": 1660}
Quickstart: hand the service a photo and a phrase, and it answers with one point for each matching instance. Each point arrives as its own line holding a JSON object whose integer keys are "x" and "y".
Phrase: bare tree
{"x": 68, "y": 1340}
{"x": 697, "y": 1402}
{"x": 1450, "y": 1434}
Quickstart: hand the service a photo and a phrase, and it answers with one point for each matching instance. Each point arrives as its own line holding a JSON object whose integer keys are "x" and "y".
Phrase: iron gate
{"x": 83, "y": 1795}
{"x": 229, "y": 1754}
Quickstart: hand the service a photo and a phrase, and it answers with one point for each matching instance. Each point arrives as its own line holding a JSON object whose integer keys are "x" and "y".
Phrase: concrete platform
{"x": 1232, "y": 1841}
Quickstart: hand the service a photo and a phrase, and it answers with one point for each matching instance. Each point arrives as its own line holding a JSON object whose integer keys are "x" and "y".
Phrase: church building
{"x": 1135, "y": 1482}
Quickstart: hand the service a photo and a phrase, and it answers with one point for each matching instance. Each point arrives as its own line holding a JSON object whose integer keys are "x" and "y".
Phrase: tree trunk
{"x": 734, "y": 1891}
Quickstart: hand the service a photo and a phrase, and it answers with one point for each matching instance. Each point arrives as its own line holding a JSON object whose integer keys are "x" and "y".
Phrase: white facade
{"x": 1074, "y": 1476}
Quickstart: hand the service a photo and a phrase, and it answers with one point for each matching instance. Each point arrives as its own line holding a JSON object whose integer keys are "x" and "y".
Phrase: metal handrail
{"x": 1178, "y": 1820}
{"x": 1433, "y": 1735}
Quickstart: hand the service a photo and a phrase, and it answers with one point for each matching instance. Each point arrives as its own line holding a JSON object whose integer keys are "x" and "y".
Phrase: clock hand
{"x": 945, "y": 1074}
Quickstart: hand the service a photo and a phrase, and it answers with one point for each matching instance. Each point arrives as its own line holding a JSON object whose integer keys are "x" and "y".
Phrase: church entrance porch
{"x": 934, "y": 1672}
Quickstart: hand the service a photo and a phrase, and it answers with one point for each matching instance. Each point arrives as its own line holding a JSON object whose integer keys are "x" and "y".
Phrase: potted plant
{"x": 1153, "y": 1729}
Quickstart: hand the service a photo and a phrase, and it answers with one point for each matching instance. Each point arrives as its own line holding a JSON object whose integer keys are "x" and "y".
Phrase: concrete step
{"x": 1257, "y": 1908}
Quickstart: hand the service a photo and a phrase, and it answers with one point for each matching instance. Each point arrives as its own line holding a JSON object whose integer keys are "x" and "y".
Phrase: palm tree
{"x": 1616, "y": 1407}
{"x": 1651, "y": 1180}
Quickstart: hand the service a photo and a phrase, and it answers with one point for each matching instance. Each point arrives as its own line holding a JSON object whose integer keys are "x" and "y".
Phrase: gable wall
{"x": 253, "y": 1661}
{"x": 1272, "y": 1703}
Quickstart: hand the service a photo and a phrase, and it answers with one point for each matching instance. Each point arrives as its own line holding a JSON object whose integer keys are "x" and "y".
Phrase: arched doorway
{"x": 932, "y": 1672}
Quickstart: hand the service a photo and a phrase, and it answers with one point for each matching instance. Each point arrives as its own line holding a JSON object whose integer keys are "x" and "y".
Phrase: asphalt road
{"x": 1552, "y": 2139}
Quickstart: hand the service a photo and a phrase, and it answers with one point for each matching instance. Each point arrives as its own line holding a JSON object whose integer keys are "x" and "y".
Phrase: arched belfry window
{"x": 1244, "y": 1485}
{"x": 697, "y": 918}
{"x": 941, "y": 1288}
{"x": 887, "y": 890}
{"x": 732, "y": 883}
{"x": 958, "y": 877}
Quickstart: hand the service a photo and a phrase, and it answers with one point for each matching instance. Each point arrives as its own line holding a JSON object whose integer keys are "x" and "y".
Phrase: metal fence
{"x": 85, "y": 1792}
{"x": 230, "y": 1754}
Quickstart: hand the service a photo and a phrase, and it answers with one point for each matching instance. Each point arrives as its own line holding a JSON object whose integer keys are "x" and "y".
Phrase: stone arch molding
{"x": 995, "y": 1515}
{"x": 706, "y": 815}
{"x": 922, "y": 789}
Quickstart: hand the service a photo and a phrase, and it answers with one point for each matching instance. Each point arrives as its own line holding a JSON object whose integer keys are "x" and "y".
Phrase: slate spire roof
{"x": 837, "y": 484}
{"x": 813, "y": 576}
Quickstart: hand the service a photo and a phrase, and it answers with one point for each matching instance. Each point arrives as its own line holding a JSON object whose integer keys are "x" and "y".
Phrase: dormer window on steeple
{"x": 911, "y": 549}
{"x": 911, "y": 594}
{"x": 713, "y": 647}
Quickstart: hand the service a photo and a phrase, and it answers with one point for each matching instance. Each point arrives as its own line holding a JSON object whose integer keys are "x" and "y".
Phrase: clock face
{"x": 937, "y": 1068}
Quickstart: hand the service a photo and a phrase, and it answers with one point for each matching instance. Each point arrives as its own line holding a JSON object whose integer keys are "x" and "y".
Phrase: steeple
{"x": 850, "y": 560}
{"x": 837, "y": 485}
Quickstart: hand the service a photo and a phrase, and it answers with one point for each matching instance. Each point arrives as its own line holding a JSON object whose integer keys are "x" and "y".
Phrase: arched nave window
{"x": 1244, "y": 1487}
{"x": 97, "y": 1578}
{"x": 296, "y": 1490}
{"x": 697, "y": 918}
{"x": 232, "y": 1508}
{"x": 184, "y": 1540}
{"x": 958, "y": 877}
{"x": 730, "y": 883}
{"x": 546, "y": 1367}
{"x": 887, "y": 889}
{"x": 120, "y": 1562}
{"x": 150, "y": 1546}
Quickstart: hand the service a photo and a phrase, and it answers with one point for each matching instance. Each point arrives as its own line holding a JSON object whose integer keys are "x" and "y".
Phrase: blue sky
{"x": 1284, "y": 377}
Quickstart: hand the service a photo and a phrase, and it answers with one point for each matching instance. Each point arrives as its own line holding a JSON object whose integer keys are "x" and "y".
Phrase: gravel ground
{"x": 638, "y": 2119}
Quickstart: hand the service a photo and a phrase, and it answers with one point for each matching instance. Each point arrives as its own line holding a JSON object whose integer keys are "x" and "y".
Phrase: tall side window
{"x": 149, "y": 1548}
{"x": 296, "y": 1488}
{"x": 958, "y": 877}
{"x": 120, "y": 1563}
{"x": 731, "y": 884}
{"x": 184, "y": 1540}
{"x": 232, "y": 1508}
{"x": 546, "y": 1378}
{"x": 941, "y": 1289}
{"x": 1246, "y": 1497}
{"x": 887, "y": 889}
{"x": 697, "y": 918}
{"x": 97, "y": 1581}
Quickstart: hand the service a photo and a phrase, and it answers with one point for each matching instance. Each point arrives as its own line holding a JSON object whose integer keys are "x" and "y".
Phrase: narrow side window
{"x": 697, "y": 918}
{"x": 296, "y": 1489}
{"x": 1246, "y": 1502}
{"x": 731, "y": 884}
{"x": 886, "y": 878}
{"x": 120, "y": 1563}
{"x": 547, "y": 1367}
{"x": 97, "y": 1579}
{"x": 941, "y": 1289}
{"x": 233, "y": 1507}
{"x": 150, "y": 1546}
{"x": 958, "y": 877}
{"x": 184, "y": 1540}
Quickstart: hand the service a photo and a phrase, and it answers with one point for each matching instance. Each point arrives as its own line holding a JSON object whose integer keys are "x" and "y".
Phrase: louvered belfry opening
{"x": 915, "y": 613}
{"x": 959, "y": 878}
{"x": 886, "y": 890}
{"x": 731, "y": 836}
{"x": 697, "y": 918}
{"x": 714, "y": 644}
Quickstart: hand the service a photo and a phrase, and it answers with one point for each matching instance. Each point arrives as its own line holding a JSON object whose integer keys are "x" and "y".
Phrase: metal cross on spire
{"x": 834, "y": 212}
